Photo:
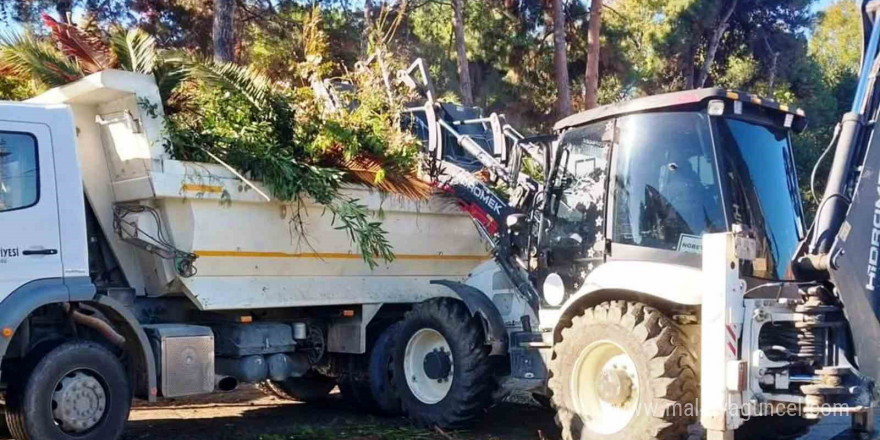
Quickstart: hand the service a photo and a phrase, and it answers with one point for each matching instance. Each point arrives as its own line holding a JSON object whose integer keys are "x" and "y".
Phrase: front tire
{"x": 77, "y": 391}
{"x": 441, "y": 365}
{"x": 623, "y": 371}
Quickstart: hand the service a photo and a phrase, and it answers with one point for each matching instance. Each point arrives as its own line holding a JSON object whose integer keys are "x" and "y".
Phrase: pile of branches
{"x": 282, "y": 134}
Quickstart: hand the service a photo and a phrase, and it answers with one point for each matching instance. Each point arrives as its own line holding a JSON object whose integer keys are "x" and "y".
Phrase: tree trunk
{"x": 368, "y": 27}
{"x": 464, "y": 71}
{"x": 689, "y": 67}
{"x": 224, "y": 30}
{"x": 774, "y": 61}
{"x": 592, "y": 81}
{"x": 64, "y": 8}
{"x": 368, "y": 18}
{"x": 560, "y": 61}
{"x": 714, "y": 42}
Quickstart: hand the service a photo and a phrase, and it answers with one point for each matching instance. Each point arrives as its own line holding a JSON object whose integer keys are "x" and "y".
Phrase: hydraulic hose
{"x": 822, "y": 159}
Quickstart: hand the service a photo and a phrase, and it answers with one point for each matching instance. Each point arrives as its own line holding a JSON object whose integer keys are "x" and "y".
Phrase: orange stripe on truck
{"x": 202, "y": 188}
{"x": 335, "y": 256}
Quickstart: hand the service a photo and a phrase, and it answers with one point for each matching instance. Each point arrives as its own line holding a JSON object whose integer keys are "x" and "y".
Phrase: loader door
{"x": 574, "y": 238}
{"x": 30, "y": 245}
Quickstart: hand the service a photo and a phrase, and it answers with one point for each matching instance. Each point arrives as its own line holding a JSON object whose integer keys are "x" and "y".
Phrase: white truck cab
{"x": 37, "y": 159}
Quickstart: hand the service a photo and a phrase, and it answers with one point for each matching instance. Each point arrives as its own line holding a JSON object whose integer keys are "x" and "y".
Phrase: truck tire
{"x": 781, "y": 427}
{"x": 622, "y": 370}
{"x": 312, "y": 387}
{"x": 77, "y": 391}
{"x": 441, "y": 365}
{"x": 368, "y": 383}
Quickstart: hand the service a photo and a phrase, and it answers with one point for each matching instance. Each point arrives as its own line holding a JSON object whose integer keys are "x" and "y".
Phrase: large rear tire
{"x": 441, "y": 365}
{"x": 368, "y": 382}
{"x": 77, "y": 391}
{"x": 623, "y": 371}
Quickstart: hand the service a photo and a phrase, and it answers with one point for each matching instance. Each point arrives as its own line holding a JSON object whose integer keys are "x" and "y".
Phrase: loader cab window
{"x": 666, "y": 189}
{"x": 19, "y": 171}
{"x": 575, "y": 240}
{"x": 764, "y": 191}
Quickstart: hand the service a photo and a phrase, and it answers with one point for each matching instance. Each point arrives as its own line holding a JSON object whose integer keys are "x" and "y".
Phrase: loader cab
{"x": 644, "y": 180}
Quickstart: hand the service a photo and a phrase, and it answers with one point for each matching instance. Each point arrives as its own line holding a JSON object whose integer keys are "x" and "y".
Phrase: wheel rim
{"x": 429, "y": 366}
{"x": 605, "y": 387}
{"x": 79, "y": 401}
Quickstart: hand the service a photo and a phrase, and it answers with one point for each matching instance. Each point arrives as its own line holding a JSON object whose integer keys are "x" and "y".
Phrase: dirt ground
{"x": 249, "y": 415}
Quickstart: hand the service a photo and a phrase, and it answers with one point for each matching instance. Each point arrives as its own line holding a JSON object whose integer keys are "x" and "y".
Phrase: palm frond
{"x": 27, "y": 56}
{"x": 135, "y": 50}
{"x": 370, "y": 170}
{"x": 169, "y": 76}
{"x": 246, "y": 81}
{"x": 90, "y": 52}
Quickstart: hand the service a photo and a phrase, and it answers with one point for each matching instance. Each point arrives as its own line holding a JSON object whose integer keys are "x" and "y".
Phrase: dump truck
{"x": 644, "y": 268}
{"x": 142, "y": 276}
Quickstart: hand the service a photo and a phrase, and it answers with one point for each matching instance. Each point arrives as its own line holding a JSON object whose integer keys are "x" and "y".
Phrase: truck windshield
{"x": 764, "y": 190}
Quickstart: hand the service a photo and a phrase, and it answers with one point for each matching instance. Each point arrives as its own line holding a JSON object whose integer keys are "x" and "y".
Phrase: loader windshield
{"x": 764, "y": 191}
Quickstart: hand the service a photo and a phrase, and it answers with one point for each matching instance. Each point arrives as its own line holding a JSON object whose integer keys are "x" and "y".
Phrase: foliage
{"x": 71, "y": 53}
{"x": 294, "y": 142}
{"x": 828, "y": 82}
{"x": 280, "y": 132}
{"x": 778, "y": 48}
{"x": 27, "y": 56}
{"x": 13, "y": 88}
{"x": 836, "y": 42}
{"x": 29, "y": 11}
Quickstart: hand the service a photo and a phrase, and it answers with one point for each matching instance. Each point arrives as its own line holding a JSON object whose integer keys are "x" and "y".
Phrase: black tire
{"x": 368, "y": 383}
{"x": 782, "y": 427}
{"x": 472, "y": 381}
{"x": 665, "y": 367}
{"x": 312, "y": 387}
{"x": 29, "y": 410}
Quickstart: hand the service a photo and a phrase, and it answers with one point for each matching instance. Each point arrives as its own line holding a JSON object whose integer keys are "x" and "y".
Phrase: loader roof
{"x": 676, "y": 100}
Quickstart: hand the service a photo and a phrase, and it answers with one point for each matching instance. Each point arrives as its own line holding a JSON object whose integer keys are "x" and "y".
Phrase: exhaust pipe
{"x": 225, "y": 383}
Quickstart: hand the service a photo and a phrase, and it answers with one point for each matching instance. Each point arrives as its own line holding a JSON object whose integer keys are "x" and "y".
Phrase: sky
{"x": 822, "y": 4}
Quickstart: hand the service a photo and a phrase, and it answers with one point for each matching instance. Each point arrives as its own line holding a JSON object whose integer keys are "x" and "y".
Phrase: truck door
{"x": 30, "y": 247}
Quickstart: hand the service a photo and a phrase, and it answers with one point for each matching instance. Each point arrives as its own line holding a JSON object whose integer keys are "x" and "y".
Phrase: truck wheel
{"x": 441, "y": 365}
{"x": 368, "y": 384}
{"x": 623, "y": 371}
{"x": 782, "y": 427}
{"x": 312, "y": 387}
{"x": 77, "y": 391}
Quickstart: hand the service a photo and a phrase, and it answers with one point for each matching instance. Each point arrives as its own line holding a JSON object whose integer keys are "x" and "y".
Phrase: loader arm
{"x": 845, "y": 240}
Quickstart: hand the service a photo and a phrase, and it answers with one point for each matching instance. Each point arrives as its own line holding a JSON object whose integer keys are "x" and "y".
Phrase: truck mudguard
{"x": 23, "y": 301}
{"x": 479, "y": 304}
{"x": 136, "y": 340}
{"x": 19, "y": 304}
